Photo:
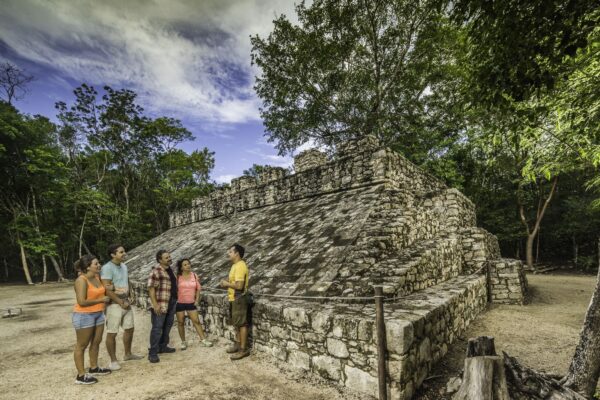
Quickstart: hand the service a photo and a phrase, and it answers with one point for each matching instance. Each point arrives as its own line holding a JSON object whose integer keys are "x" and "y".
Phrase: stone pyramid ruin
{"x": 334, "y": 228}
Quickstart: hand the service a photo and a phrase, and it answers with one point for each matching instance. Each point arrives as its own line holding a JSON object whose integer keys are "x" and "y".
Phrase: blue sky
{"x": 186, "y": 59}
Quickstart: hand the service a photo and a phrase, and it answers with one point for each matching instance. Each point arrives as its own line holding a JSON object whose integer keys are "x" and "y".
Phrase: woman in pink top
{"x": 188, "y": 295}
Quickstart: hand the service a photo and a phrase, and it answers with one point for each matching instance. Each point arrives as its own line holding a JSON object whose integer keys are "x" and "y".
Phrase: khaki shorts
{"x": 117, "y": 317}
{"x": 239, "y": 312}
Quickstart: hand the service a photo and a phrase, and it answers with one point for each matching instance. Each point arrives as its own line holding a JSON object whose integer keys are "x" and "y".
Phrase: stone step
{"x": 429, "y": 263}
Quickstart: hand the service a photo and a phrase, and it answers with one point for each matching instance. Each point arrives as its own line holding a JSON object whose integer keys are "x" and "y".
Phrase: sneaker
{"x": 132, "y": 357}
{"x": 153, "y": 359}
{"x": 99, "y": 371}
{"x": 167, "y": 349}
{"x": 85, "y": 379}
{"x": 183, "y": 345}
{"x": 206, "y": 343}
{"x": 234, "y": 348}
{"x": 114, "y": 366}
{"x": 240, "y": 354}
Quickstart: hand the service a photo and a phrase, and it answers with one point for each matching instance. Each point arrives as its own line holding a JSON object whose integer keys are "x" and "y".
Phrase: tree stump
{"x": 488, "y": 376}
{"x": 484, "y": 377}
{"x": 481, "y": 346}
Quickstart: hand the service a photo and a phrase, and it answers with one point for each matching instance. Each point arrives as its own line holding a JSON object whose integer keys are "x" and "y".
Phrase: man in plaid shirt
{"x": 162, "y": 289}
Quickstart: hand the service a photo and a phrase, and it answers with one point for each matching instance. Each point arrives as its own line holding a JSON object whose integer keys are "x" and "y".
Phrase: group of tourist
{"x": 102, "y": 295}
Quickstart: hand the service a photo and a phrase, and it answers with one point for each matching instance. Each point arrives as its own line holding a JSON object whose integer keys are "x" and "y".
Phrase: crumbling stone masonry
{"x": 336, "y": 227}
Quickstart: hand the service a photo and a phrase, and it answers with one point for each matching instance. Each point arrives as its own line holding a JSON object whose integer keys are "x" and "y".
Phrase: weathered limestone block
{"x": 296, "y": 316}
{"x": 321, "y": 322}
{"x": 299, "y": 359}
{"x": 309, "y": 159}
{"x": 328, "y": 367}
{"x": 399, "y": 336}
{"x": 337, "y": 348}
{"x": 356, "y": 146}
{"x": 270, "y": 174}
{"x": 361, "y": 381}
{"x": 243, "y": 183}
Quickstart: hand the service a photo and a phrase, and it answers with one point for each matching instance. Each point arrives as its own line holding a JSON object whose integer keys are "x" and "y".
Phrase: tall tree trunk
{"x": 575, "y": 251}
{"x": 45, "y": 266}
{"x": 584, "y": 370}
{"x": 529, "y": 251}
{"x": 126, "y": 193}
{"x": 537, "y": 247}
{"x": 59, "y": 272}
{"x": 532, "y": 232}
{"x": 5, "y": 269}
{"x": 81, "y": 232}
{"x": 37, "y": 229}
{"x": 24, "y": 263}
{"x": 82, "y": 243}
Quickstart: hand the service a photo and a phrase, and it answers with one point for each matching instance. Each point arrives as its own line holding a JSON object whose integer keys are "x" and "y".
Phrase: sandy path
{"x": 36, "y": 361}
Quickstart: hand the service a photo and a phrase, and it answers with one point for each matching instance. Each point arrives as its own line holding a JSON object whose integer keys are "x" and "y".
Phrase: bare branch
{"x": 13, "y": 82}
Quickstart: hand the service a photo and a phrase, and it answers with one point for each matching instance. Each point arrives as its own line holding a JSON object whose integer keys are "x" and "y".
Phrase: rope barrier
{"x": 336, "y": 298}
{"x": 281, "y": 296}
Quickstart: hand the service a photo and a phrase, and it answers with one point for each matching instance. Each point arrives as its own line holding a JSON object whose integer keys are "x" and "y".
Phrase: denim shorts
{"x": 87, "y": 320}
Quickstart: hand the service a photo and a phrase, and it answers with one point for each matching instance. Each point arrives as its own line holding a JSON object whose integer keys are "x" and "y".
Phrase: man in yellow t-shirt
{"x": 237, "y": 286}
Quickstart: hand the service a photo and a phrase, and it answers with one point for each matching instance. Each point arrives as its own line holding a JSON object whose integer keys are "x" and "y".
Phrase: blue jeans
{"x": 161, "y": 327}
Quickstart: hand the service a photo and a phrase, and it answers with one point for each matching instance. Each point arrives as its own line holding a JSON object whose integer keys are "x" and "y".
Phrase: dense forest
{"x": 502, "y": 101}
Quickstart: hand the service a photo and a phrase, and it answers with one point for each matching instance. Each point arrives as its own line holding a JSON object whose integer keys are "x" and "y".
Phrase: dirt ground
{"x": 36, "y": 351}
{"x": 36, "y": 361}
{"x": 542, "y": 334}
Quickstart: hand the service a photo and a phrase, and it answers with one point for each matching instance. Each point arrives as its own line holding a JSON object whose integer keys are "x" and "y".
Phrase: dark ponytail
{"x": 84, "y": 263}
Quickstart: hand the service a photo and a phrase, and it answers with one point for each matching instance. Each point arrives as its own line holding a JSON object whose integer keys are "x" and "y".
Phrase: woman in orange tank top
{"x": 88, "y": 318}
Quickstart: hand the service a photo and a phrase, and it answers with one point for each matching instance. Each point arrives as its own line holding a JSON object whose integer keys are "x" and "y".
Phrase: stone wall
{"x": 507, "y": 281}
{"x": 338, "y": 341}
{"x": 438, "y": 316}
{"x": 479, "y": 246}
{"x": 315, "y": 175}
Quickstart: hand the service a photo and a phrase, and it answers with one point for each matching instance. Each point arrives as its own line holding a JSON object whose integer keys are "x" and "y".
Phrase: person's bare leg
{"x": 127, "y": 341}
{"x": 244, "y": 337}
{"x": 95, "y": 347}
{"x": 111, "y": 346}
{"x": 83, "y": 340}
{"x": 181, "y": 324}
{"x": 196, "y": 322}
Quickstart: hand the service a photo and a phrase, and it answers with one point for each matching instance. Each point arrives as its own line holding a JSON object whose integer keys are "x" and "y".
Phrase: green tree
{"x": 518, "y": 47}
{"x": 179, "y": 178}
{"x": 128, "y": 172}
{"x": 34, "y": 173}
{"x": 359, "y": 67}
{"x": 528, "y": 54}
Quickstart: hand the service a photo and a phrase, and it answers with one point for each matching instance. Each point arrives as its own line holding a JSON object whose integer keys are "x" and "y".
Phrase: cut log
{"x": 484, "y": 377}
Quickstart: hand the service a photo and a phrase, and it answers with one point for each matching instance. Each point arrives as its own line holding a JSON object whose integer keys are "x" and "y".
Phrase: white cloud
{"x": 224, "y": 178}
{"x": 185, "y": 58}
{"x": 266, "y": 157}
